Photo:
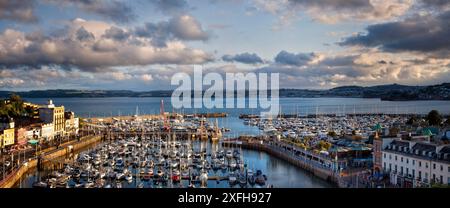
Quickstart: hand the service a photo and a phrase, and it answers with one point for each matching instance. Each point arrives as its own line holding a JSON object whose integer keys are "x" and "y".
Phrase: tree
{"x": 13, "y": 107}
{"x": 411, "y": 121}
{"x": 447, "y": 122}
{"x": 434, "y": 118}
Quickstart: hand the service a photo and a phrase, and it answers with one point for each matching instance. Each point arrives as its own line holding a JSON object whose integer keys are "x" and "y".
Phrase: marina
{"x": 220, "y": 175}
{"x": 199, "y": 150}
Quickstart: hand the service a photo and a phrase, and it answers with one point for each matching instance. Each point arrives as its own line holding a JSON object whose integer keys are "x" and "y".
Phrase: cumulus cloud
{"x": 361, "y": 67}
{"x": 21, "y": 11}
{"x": 245, "y": 58}
{"x": 182, "y": 27}
{"x": 90, "y": 46}
{"x": 299, "y": 59}
{"x": 427, "y": 33}
{"x": 332, "y": 11}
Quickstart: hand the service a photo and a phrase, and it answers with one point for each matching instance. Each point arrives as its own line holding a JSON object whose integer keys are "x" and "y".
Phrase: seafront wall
{"x": 322, "y": 173}
{"x": 47, "y": 156}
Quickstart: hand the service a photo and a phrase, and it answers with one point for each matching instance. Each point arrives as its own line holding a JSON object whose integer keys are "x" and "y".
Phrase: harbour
{"x": 279, "y": 173}
{"x": 173, "y": 150}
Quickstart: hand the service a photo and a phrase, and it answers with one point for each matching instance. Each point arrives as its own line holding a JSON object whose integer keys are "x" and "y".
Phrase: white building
{"x": 55, "y": 115}
{"x": 416, "y": 163}
{"x": 33, "y": 132}
{"x": 47, "y": 131}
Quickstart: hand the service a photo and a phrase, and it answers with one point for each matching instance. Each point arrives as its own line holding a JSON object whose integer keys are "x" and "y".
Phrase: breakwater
{"x": 316, "y": 170}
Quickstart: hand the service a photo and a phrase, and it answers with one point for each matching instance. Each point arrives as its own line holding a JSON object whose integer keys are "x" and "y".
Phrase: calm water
{"x": 91, "y": 107}
{"x": 101, "y": 107}
{"x": 279, "y": 173}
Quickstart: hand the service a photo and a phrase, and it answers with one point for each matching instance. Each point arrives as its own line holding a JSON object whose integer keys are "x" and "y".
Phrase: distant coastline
{"x": 392, "y": 92}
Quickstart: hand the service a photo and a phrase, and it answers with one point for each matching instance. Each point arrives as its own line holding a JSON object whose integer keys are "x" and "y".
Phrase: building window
{"x": 448, "y": 169}
{"x": 407, "y": 171}
{"x": 434, "y": 166}
{"x": 390, "y": 167}
{"x": 414, "y": 162}
{"x": 395, "y": 157}
{"x": 401, "y": 169}
{"x": 420, "y": 174}
{"x": 420, "y": 163}
{"x": 448, "y": 181}
{"x": 390, "y": 157}
{"x": 441, "y": 179}
{"x": 384, "y": 155}
{"x": 426, "y": 165}
{"x": 442, "y": 168}
{"x": 401, "y": 159}
{"x": 407, "y": 161}
{"x": 395, "y": 168}
{"x": 413, "y": 173}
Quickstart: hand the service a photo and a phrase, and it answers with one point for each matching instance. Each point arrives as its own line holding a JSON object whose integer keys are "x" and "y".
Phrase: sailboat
{"x": 217, "y": 133}
{"x": 202, "y": 131}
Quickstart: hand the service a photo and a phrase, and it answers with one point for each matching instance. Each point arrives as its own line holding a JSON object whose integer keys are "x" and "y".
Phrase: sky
{"x": 138, "y": 45}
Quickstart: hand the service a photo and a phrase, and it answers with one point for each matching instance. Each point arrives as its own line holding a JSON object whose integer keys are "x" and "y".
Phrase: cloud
{"x": 437, "y": 4}
{"x": 146, "y": 77}
{"x": 183, "y": 27}
{"x": 21, "y": 11}
{"x": 245, "y": 58}
{"x": 115, "y": 10}
{"x": 299, "y": 59}
{"x": 361, "y": 67}
{"x": 89, "y": 46}
{"x": 427, "y": 33}
{"x": 333, "y": 11}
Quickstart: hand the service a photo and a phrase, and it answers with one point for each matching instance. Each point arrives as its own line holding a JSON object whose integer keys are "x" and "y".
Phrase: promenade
{"x": 46, "y": 155}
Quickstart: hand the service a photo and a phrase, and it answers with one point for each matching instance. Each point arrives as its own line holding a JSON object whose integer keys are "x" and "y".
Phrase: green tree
{"x": 434, "y": 118}
{"x": 12, "y": 107}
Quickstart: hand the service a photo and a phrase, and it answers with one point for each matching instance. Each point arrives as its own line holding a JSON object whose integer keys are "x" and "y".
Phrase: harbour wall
{"x": 321, "y": 173}
{"x": 46, "y": 157}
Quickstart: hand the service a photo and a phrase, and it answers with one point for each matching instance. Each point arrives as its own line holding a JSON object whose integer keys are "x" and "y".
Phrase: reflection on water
{"x": 279, "y": 173}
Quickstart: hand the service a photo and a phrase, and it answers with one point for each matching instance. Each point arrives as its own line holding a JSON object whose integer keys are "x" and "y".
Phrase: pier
{"x": 294, "y": 157}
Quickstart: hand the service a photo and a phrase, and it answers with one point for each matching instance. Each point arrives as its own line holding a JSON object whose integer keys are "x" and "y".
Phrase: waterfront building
{"x": 47, "y": 131}
{"x": 33, "y": 131}
{"x": 7, "y": 135}
{"x": 51, "y": 114}
{"x": 72, "y": 123}
{"x": 416, "y": 162}
{"x": 20, "y": 136}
